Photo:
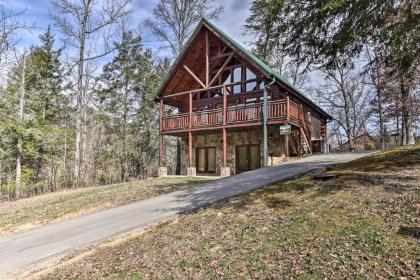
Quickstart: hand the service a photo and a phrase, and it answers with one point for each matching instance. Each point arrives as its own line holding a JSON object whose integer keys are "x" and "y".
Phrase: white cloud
{"x": 233, "y": 19}
{"x": 37, "y": 12}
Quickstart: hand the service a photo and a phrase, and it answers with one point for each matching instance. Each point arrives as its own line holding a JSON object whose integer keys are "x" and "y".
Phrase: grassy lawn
{"x": 35, "y": 211}
{"x": 363, "y": 224}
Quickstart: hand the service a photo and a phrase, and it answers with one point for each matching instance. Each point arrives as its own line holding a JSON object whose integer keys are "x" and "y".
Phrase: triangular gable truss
{"x": 184, "y": 69}
{"x": 188, "y": 66}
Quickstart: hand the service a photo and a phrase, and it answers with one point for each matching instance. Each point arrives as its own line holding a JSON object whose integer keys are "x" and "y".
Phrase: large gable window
{"x": 237, "y": 77}
{"x": 228, "y": 80}
{"x": 249, "y": 75}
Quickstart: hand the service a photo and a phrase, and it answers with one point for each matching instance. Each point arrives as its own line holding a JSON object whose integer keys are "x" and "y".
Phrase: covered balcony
{"x": 225, "y": 114}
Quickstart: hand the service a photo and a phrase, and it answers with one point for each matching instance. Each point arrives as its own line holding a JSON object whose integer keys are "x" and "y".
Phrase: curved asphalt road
{"x": 22, "y": 250}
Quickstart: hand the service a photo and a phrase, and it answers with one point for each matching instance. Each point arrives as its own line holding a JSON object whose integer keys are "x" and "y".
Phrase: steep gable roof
{"x": 267, "y": 70}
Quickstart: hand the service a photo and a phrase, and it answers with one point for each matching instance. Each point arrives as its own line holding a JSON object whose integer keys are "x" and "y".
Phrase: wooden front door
{"x": 206, "y": 160}
{"x": 247, "y": 157}
{"x": 316, "y": 146}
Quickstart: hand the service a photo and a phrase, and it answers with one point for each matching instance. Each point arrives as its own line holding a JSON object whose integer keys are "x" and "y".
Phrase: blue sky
{"x": 230, "y": 21}
{"x": 37, "y": 12}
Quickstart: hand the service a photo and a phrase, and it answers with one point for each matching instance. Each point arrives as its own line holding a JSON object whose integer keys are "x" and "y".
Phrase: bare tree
{"x": 10, "y": 26}
{"x": 346, "y": 97}
{"x": 375, "y": 70}
{"x": 174, "y": 20}
{"x": 294, "y": 70}
{"x": 88, "y": 27}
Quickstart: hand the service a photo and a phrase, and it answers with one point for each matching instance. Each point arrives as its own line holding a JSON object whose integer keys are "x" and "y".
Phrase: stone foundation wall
{"x": 214, "y": 139}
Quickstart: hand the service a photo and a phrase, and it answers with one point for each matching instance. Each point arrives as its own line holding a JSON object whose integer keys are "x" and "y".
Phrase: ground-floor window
{"x": 247, "y": 157}
{"x": 206, "y": 159}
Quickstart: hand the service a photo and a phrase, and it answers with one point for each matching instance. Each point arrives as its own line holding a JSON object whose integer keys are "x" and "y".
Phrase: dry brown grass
{"x": 36, "y": 211}
{"x": 362, "y": 225}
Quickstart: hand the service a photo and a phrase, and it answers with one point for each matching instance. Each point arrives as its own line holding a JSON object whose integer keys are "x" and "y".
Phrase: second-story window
{"x": 228, "y": 80}
{"x": 249, "y": 75}
{"x": 237, "y": 77}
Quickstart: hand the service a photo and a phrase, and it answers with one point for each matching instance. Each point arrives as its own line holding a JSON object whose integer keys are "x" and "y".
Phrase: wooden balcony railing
{"x": 240, "y": 114}
{"x": 276, "y": 110}
{"x": 294, "y": 109}
{"x": 175, "y": 122}
{"x": 207, "y": 118}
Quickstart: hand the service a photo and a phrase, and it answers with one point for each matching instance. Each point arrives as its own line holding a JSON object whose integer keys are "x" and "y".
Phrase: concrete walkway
{"x": 22, "y": 250}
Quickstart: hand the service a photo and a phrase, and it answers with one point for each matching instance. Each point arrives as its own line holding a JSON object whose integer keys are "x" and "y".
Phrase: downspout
{"x": 265, "y": 120}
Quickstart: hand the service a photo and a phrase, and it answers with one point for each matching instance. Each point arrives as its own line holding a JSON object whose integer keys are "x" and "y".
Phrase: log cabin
{"x": 362, "y": 142}
{"x": 233, "y": 112}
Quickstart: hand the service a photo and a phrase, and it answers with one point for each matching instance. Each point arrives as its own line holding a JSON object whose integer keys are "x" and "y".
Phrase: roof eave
{"x": 174, "y": 65}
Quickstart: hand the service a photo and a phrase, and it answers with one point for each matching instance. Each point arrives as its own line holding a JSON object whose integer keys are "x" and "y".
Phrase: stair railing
{"x": 304, "y": 125}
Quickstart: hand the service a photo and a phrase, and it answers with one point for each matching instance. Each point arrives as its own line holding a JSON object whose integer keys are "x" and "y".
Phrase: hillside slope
{"x": 363, "y": 224}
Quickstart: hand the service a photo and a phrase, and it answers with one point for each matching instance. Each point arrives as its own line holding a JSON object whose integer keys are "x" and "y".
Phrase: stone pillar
{"x": 191, "y": 172}
{"x": 163, "y": 171}
{"x": 224, "y": 171}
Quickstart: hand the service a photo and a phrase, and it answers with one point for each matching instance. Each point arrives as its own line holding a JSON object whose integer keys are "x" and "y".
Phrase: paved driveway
{"x": 20, "y": 251}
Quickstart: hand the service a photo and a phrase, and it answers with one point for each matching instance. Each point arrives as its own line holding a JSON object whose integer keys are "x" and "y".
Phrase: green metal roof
{"x": 258, "y": 62}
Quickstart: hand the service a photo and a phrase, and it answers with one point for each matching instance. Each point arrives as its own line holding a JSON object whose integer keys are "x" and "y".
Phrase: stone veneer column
{"x": 163, "y": 171}
{"x": 191, "y": 171}
{"x": 224, "y": 171}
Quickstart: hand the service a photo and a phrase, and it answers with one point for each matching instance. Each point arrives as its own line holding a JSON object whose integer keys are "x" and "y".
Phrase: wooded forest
{"x": 77, "y": 107}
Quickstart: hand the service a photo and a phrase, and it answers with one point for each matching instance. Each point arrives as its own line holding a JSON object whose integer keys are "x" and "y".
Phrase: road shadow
{"x": 203, "y": 195}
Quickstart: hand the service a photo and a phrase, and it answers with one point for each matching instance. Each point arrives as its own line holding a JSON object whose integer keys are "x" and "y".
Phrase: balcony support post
{"x": 161, "y": 114}
{"x": 224, "y": 128}
{"x": 224, "y": 147}
{"x": 191, "y": 171}
{"x": 190, "y": 112}
{"x": 189, "y": 132}
{"x": 286, "y": 136}
{"x": 163, "y": 171}
{"x": 225, "y": 169}
{"x": 161, "y": 151}
{"x": 265, "y": 128}
{"x": 224, "y": 105}
{"x": 190, "y": 149}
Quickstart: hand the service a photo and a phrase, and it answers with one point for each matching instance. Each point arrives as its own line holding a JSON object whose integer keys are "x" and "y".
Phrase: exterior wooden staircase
{"x": 305, "y": 133}
{"x": 306, "y": 146}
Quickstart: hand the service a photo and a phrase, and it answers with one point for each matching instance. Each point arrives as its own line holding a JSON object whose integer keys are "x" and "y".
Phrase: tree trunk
{"x": 65, "y": 153}
{"x": 20, "y": 121}
{"x": 349, "y": 130}
{"x": 80, "y": 100}
{"x": 381, "y": 119}
{"x": 125, "y": 168}
{"x": 407, "y": 139}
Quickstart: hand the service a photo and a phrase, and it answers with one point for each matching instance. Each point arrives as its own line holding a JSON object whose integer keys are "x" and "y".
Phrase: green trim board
{"x": 251, "y": 57}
